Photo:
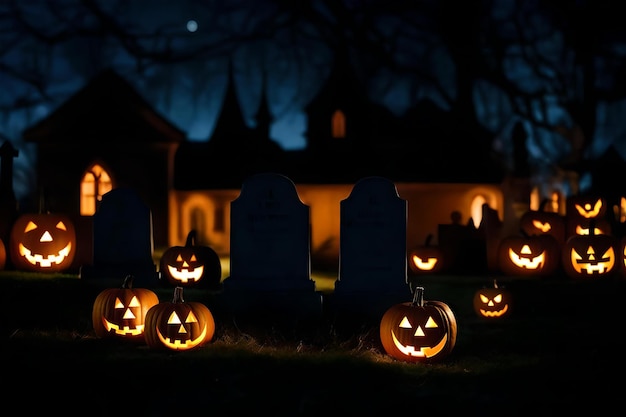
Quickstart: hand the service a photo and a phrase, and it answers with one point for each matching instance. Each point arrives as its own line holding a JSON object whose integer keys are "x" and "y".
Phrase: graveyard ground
{"x": 561, "y": 350}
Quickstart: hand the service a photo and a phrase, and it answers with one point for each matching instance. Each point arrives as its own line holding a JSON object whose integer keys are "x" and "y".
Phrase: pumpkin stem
{"x": 128, "y": 281}
{"x": 429, "y": 239}
{"x": 191, "y": 238}
{"x": 495, "y": 283}
{"x": 178, "y": 295}
{"x": 418, "y": 296}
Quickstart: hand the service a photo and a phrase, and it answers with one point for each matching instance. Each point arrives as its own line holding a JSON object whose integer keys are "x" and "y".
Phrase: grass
{"x": 561, "y": 350}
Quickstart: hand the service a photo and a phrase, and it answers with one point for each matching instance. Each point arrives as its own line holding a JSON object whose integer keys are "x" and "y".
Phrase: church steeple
{"x": 230, "y": 125}
{"x": 264, "y": 116}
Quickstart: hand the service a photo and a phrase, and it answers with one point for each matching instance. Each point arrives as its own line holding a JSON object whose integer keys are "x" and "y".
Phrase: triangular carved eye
{"x": 405, "y": 324}
{"x": 173, "y": 319}
{"x": 430, "y": 324}
{"x": 30, "y": 226}
{"x": 191, "y": 318}
{"x": 61, "y": 225}
{"x": 134, "y": 302}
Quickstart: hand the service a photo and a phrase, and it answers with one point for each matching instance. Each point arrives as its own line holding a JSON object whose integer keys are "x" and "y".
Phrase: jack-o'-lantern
{"x": 121, "y": 312}
{"x": 591, "y": 256}
{"x": 179, "y": 325}
{"x": 581, "y": 209}
{"x": 539, "y": 222}
{"x": 418, "y": 331}
{"x": 522, "y": 255}
{"x": 42, "y": 242}
{"x": 191, "y": 265}
{"x": 493, "y": 302}
{"x": 426, "y": 258}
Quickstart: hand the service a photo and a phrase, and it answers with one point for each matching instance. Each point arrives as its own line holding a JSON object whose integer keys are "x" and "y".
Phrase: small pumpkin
{"x": 493, "y": 302}
{"x": 427, "y": 258}
{"x": 42, "y": 242}
{"x": 591, "y": 256}
{"x": 121, "y": 312}
{"x": 191, "y": 265}
{"x": 523, "y": 255}
{"x": 179, "y": 325}
{"x": 418, "y": 331}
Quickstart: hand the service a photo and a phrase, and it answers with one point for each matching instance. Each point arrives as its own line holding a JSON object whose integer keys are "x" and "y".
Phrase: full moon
{"x": 192, "y": 25}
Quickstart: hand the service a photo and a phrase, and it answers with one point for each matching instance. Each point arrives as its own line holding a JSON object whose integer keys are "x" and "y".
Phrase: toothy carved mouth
{"x": 180, "y": 344}
{"x": 424, "y": 352}
{"x": 123, "y": 331}
{"x": 497, "y": 313}
{"x": 184, "y": 275}
{"x": 38, "y": 259}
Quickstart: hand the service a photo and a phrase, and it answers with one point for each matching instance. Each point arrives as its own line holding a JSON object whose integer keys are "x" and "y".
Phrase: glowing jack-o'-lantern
{"x": 179, "y": 325}
{"x": 121, "y": 312}
{"x": 583, "y": 208}
{"x": 418, "y": 331}
{"x": 191, "y": 265}
{"x": 539, "y": 222}
{"x": 42, "y": 242}
{"x": 495, "y": 302}
{"x": 591, "y": 256}
{"x": 427, "y": 258}
{"x": 529, "y": 255}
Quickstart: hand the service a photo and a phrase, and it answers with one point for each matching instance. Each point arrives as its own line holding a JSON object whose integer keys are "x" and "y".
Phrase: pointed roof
{"x": 230, "y": 124}
{"x": 107, "y": 107}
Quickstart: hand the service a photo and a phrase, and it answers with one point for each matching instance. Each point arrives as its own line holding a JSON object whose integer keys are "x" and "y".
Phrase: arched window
{"x": 95, "y": 182}
{"x": 476, "y": 209}
{"x": 339, "y": 124}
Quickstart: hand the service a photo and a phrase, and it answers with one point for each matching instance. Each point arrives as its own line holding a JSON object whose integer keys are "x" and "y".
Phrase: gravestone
{"x": 373, "y": 257}
{"x": 122, "y": 242}
{"x": 270, "y": 261}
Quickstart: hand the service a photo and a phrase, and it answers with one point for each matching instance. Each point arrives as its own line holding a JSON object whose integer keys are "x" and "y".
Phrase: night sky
{"x": 554, "y": 66}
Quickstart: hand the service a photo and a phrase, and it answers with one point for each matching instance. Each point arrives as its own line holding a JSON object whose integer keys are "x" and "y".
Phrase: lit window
{"x": 477, "y": 209}
{"x": 339, "y": 124}
{"x": 95, "y": 183}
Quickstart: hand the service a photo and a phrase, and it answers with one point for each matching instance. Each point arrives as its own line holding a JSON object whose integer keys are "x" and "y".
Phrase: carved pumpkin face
{"x": 543, "y": 222}
{"x": 426, "y": 258}
{"x": 493, "y": 303}
{"x": 121, "y": 312}
{"x": 528, "y": 255}
{"x": 191, "y": 265}
{"x": 582, "y": 209}
{"x": 179, "y": 325}
{"x": 589, "y": 256}
{"x": 43, "y": 242}
{"x": 586, "y": 207}
{"x": 418, "y": 331}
